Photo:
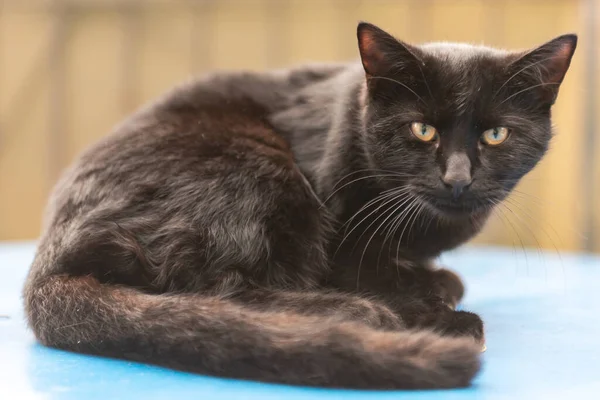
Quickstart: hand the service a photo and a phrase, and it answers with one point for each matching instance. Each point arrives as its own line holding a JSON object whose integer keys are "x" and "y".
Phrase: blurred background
{"x": 71, "y": 69}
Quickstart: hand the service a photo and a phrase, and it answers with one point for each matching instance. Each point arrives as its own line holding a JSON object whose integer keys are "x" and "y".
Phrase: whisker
{"x": 382, "y": 196}
{"x": 379, "y": 198}
{"x": 357, "y": 241}
{"x": 526, "y": 89}
{"x": 399, "y": 83}
{"x": 399, "y": 196}
{"x": 398, "y": 220}
{"x": 432, "y": 216}
{"x": 389, "y": 224}
{"x": 517, "y": 234}
{"x": 528, "y": 215}
{"x": 556, "y": 249}
{"x": 412, "y": 224}
{"x": 502, "y": 217}
{"x": 390, "y": 214}
{"x": 425, "y": 80}
{"x": 518, "y": 72}
{"x": 371, "y": 170}
{"x": 392, "y": 223}
{"x": 356, "y": 180}
{"x": 409, "y": 210}
{"x": 410, "y": 221}
{"x": 397, "y": 223}
{"x": 527, "y": 196}
{"x": 525, "y": 224}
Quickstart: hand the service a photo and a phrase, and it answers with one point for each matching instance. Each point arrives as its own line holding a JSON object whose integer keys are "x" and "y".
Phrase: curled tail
{"x": 217, "y": 337}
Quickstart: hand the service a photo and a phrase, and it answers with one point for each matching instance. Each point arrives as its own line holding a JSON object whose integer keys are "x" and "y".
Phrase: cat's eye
{"x": 424, "y": 132}
{"x": 495, "y": 136}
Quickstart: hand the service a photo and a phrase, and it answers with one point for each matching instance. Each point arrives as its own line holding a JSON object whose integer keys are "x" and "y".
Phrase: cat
{"x": 282, "y": 226}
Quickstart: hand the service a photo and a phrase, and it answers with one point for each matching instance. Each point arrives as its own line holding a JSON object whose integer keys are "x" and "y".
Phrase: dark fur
{"x": 208, "y": 233}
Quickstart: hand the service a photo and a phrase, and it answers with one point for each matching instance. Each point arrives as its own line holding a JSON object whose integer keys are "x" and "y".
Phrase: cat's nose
{"x": 457, "y": 186}
{"x": 458, "y": 174}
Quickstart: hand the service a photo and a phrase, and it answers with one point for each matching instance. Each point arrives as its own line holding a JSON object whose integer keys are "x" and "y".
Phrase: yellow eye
{"x": 423, "y": 131}
{"x": 496, "y": 136}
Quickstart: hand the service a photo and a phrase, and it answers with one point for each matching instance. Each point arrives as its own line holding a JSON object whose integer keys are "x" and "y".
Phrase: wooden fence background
{"x": 71, "y": 69}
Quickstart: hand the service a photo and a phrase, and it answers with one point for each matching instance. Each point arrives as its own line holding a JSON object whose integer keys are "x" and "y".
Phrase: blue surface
{"x": 542, "y": 315}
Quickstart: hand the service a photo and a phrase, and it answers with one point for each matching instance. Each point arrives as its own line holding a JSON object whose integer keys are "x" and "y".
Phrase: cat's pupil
{"x": 423, "y": 130}
{"x": 496, "y": 133}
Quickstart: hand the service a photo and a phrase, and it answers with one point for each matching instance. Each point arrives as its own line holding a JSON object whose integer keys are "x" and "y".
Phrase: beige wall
{"x": 62, "y": 88}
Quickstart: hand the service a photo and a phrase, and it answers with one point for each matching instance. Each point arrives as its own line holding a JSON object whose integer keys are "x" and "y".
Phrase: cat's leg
{"x": 459, "y": 323}
{"x": 421, "y": 295}
{"x": 431, "y": 312}
{"x": 427, "y": 280}
{"x": 447, "y": 285}
{"x": 429, "y": 298}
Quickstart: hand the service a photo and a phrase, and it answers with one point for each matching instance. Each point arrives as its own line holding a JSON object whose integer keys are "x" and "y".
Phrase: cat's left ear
{"x": 548, "y": 64}
{"x": 380, "y": 52}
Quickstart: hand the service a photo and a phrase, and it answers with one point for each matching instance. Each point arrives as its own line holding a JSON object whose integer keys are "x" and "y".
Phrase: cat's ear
{"x": 380, "y": 52}
{"x": 548, "y": 64}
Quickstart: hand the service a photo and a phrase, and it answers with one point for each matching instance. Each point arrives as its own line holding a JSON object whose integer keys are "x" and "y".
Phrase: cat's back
{"x": 219, "y": 105}
{"x": 202, "y": 164}
{"x": 198, "y": 132}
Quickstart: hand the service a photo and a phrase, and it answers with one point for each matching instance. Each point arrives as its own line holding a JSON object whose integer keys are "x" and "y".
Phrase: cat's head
{"x": 459, "y": 125}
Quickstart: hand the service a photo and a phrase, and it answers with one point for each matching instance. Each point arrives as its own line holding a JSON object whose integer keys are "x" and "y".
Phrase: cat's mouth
{"x": 456, "y": 208}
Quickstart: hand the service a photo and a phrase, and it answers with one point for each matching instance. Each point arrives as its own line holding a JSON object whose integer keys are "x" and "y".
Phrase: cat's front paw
{"x": 428, "y": 281}
{"x": 447, "y": 286}
{"x": 461, "y": 324}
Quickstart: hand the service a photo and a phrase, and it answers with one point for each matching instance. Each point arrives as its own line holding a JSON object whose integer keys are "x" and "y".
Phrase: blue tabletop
{"x": 541, "y": 310}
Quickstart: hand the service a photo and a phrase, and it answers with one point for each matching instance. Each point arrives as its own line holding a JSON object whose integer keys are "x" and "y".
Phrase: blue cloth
{"x": 542, "y": 315}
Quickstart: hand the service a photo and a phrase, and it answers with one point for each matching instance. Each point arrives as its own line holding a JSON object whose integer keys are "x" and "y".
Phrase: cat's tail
{"x": 217, "y": 337}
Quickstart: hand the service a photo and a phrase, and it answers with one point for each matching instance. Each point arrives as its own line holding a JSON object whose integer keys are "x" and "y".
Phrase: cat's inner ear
{"x": 380, "y": 52}
{"x": 548, "y": 64}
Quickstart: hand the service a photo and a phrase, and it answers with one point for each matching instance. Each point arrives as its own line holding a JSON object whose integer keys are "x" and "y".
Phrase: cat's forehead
{"x": 461, "y": 76}
{"x": 459, "y": 54}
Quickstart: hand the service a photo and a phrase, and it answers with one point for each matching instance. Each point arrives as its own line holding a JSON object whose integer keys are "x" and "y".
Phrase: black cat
{"x": 281, "y": 226}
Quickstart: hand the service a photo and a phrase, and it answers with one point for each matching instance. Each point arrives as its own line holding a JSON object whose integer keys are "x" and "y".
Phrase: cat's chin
{"x": 456, "y": 211}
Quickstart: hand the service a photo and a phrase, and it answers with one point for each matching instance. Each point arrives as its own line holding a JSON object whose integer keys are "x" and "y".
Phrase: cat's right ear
{"x": 380, "y": 52}
{"x": 547, "y": 65}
